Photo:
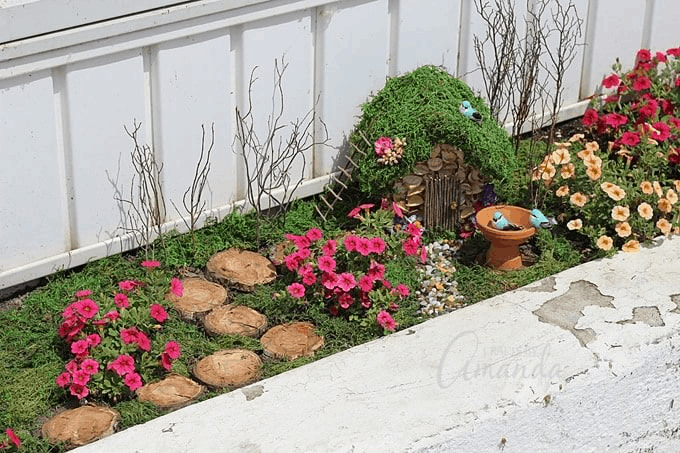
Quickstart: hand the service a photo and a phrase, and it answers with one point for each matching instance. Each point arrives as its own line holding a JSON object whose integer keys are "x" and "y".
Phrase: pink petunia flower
{"x": 366, "y": 283}
{"x": 662, "y": 131}
{"x": 83, "y": 293}
{"x": 112, "y": 315}
{"x": 314, "y": 234}
{"x": 363, "y": 246}
{"x": 94, "y": 340}
{"x": 292, "y": 261}
{"x": 150, "y": 264}
{"x": 385, "y": 320}
{"x": 614, "y": 120}
{"x": 127, "y": 285}
{"x": 648, "y": 109}
{"x": 122, "y": 365}
{"x": 166, "y": 362}
{"x": 71, "y": 366}
{"x": 350, "y": 243}
{"x": 402, "y": 290}
{"x": 86, "y": 308}
{"x": 414, "y": 230}
{"x": 345, "y": 300}
{"x": 629, "y": 138}
{"x": 143, "y": 342}
{"x": 330, "y": 247}
{"x": 176, "y": 287}
{"x": 63, "y": 379}
{"x": 129, "y": 335}
{"x": 382, "y": 145}
{"x": 296, "y": 290}
{"x": 80, "y": 347}
{"x": 81, "y": 377}
{"x": 326, "y": 263}
{"x": 611, "y": 81}
{"x": 329, "y": 280}
{"x": 90, "y": 366}
{"x": 641, "y": 83}
{"x": 397, "y": 210}
{"x": 377, "y": 245}
{"x": 590, "y": 117}
{"x": 121, "y": 300}
{"x": 376, "y": 270}
{"x": 79, "y": 391}
{"x": 346, "y": 281}
{"x": 300, "y": 242}
{"x": 410, "y": 246}
{"x": 13, "y": 437}
{"x": 133, "y": 381}
{"x": 158, "y": 313}
{"x": 423, "y": 255}
{"x": 173, "y": 349}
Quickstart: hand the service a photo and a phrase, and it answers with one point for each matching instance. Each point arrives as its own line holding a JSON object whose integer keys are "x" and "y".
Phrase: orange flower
{"x": 631, "y": 246}
{"x": 578, "y": 199}
{"x": 663, "y": 225}
{"x": 567, "y": 171}
{"x": 665, "y": 205}
{"x": 672, "y": 196}
{"x": 645, "y": 210}
{"x": 605, "y": 242}
{"x": 585, "y": 153}
{"x": 592, "y": 146}
{"x": 658, "y": 189}
{"x": 646, "y": 187}
{"x": 606, "y": 186}
{"x": 616, "y": 193}
{"x": 594, "y": 173}
{"x": 562, "y": 191}
{"x": 561, "y": 156}
{"x": 592, "y": 161}
{"x": 677, "y": 184}
{"x": 575, "y": 224}
{"x": 549, "y": 172}
{"x": 576, "y": 138}
{"x": 620, "y": 213}
{"x": 623, "y": 229}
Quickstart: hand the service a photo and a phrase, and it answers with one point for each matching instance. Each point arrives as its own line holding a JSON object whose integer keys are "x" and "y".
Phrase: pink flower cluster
{"x": 12, "y": 438}
{"x": 643, "y": 108}
{"x": 84, "y": 333}
{"x": 323, "y": 269}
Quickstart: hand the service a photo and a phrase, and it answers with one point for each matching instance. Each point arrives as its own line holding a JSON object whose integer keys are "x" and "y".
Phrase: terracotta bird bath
{"x": 504, "y": 254}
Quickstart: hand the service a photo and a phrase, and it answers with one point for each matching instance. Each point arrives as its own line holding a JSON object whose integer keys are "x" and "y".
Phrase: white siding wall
{"x": 65, "y": 98}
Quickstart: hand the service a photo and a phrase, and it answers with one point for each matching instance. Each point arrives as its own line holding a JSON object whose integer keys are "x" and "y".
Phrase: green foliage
{"x": 422, "y": 107}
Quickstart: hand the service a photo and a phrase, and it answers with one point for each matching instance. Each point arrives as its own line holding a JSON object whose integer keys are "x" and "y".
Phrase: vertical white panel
{"x": 104, "y": 95}
{"x": 616, "y": 29}
{"x": 33, "y": 216}
{"x": 288, "y": 39}
{"x": 665, "y": 18}
{"x": 352, "y": 42}
{"x": 427, "y": 34}
{"x": 192, "y": 84}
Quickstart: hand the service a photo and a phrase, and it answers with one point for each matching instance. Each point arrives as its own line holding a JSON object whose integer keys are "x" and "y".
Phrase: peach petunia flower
{"x": 592, "y": 161}
{"x": 562, "y": 191}
{"x": 672, "y": 196}
{"x": 576, "y": 138}
{"x": 658, "y": 189}
{"x": 575, "y": 224}
{"x": 594, "y": 173}
{"x": 623, "y": 229}
{"x": 631, "y": 246}
{"x": 578, "y": 199}
{"x": 616, "y": 193}
{"x": 606, "y": 186}
{"x": 605, "y": 242}
{"x": 665, "y": 205}
{"x": 592, "y": 146}
{"x": 647, "y": 187}
{"x": 561, "y": 156}
{"x": 562, "y": 145}
{"x": 548, "y": 172}
{"x": 567, "y": 171}
{"x": 620, "y": 213}
{"x": 663, "y": 225}
{"x": 645, "y": 210}
{"x": 585, "y": 154}
{"x": 676, "y": 182}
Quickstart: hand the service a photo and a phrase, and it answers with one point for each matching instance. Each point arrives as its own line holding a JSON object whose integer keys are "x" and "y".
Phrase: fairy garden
{"x": 401, "y": 235}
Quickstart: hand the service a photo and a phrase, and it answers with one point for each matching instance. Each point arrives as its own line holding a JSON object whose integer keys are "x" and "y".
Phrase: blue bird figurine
{"x": 470, "y": 112}
{"x": 499, "y": 221}
{"x": 539, "y": 220}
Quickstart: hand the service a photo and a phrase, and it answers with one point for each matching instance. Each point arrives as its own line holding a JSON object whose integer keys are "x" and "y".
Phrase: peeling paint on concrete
{"x": 675, "y": 298}
{"x": 253, "y": 392}
{"x": 564, "y": 311}
{"x": 649, "y": 315}
{"x": 546, "y": 285}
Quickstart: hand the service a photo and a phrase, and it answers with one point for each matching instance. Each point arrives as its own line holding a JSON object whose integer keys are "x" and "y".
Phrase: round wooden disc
{"x": 290, "y": 341}
{"x": 240, "y": 268}
{"x": 228, "y": 368}
{"x": 199, "y": 297}
{"x": 173, "y": 392}
{"x": 235, "y": 320}
{"x": 81, "y": 426}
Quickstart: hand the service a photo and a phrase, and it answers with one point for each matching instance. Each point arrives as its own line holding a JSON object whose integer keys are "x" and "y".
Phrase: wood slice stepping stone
{"x": 290, "y": 341}
{"x": 199, "y": 297}
{"x": 230, "y": 368}
{"x": 235, "y": 320}
{"x": 81, "y": 426}
{"x": 241, "y": 269}
{"x": 173, "y": 392}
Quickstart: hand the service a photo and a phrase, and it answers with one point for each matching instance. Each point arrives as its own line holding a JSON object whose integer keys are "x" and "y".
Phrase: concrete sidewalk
{"x": 585, "y": 360}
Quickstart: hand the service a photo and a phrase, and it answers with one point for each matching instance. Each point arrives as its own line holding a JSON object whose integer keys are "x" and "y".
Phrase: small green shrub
{"x": 422, "y": 107}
